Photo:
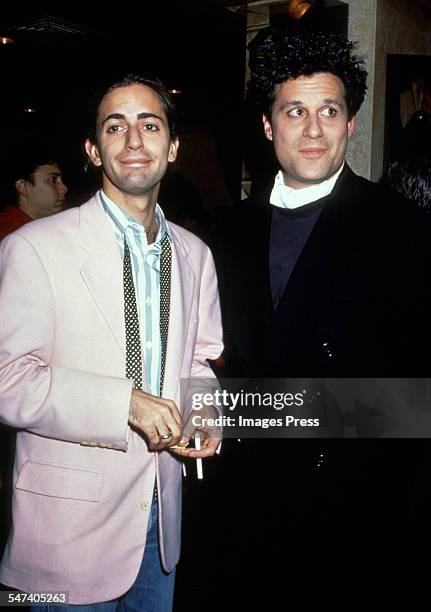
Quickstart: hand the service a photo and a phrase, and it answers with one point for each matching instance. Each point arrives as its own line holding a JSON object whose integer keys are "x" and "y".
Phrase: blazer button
{"x": 145, "y": 506}
{"x": 93, "y": 443}
{"x": 84, "y": 443}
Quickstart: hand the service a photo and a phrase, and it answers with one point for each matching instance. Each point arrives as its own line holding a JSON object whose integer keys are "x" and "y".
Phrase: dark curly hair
{"x": 277, "y": 55}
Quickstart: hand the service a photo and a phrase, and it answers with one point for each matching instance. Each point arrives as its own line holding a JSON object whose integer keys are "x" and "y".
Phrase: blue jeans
{"x": 152, "y": 591}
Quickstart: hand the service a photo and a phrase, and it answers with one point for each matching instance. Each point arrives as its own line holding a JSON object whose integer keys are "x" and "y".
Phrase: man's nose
{"x": 313, "y": 126}
{"x": 134, "y": 138}
{"x": 61, "y": 187}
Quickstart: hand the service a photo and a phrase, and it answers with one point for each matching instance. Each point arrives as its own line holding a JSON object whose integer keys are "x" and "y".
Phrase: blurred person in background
{"x": 33, "y": 188}
{"x": 411, "y": 178}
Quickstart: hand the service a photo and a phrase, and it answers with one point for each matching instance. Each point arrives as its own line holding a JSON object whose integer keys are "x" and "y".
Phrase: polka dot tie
{"x": 165, "y": 301}
{"x": 133, "y": 339}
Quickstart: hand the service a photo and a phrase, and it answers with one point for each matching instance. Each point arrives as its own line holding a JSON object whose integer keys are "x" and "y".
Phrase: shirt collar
{"x": 123, "y": 221}
{"x": 287, "y": 197}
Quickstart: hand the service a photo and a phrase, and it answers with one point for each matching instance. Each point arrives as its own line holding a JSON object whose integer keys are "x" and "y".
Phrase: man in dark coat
{"x": 325, "y": 275}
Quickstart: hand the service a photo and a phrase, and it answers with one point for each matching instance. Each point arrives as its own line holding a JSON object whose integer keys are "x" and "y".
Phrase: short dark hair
{"x": 126, "y": 81}
{"x": 22, "y": 164}
{"x": 26, "y": 166}
{"x": 279, "y": 54}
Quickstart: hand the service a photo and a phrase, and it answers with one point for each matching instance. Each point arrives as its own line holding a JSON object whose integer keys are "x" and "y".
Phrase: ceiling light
{"x": 298, "y": 8}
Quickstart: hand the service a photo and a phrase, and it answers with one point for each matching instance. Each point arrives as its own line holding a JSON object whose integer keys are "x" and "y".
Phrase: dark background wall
{"x": 196, "y": 47}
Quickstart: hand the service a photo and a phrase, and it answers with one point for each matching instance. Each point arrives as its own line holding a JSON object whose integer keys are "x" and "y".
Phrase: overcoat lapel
{"x": 322, "y": 270}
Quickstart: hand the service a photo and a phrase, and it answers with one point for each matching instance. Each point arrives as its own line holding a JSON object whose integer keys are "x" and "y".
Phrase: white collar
{"x": 287, "y": 197}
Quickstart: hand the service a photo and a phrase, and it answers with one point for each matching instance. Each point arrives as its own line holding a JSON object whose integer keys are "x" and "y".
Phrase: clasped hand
{"x": 157, "y": 418}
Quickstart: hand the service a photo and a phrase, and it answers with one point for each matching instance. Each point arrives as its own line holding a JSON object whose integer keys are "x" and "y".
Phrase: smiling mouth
{"x": 312, "y": 153}
{"x": 136, "y": 163}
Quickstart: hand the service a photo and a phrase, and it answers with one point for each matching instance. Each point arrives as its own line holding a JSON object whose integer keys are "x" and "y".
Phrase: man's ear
{"x": 173, "y": 149}
{"x": 350, "y": 127}
{"x": 22, "y": 187}
{"x": 92, "y": 153}
{"x": 267, "y": 127}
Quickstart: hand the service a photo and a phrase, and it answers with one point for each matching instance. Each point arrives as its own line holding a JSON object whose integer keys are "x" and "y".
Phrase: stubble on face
{"x": 310, "y": 128}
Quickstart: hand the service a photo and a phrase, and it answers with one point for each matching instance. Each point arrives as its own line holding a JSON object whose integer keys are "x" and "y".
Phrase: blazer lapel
{"x": 102, "y": 270}
{"x": 182, "y": 292}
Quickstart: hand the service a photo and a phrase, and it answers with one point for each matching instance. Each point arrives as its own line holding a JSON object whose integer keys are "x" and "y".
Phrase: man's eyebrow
{"x": 333, "y": 101}
{"x": 149, "y": 116}
{"x": 291, "y": 103}
{"x": 139, "y": 116}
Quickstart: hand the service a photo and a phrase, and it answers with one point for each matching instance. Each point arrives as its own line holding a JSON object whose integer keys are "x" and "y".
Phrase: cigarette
{"x": 198, "y": 461}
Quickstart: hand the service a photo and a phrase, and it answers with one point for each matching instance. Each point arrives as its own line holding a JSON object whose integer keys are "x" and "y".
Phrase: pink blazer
{"x": 83, "y": 480}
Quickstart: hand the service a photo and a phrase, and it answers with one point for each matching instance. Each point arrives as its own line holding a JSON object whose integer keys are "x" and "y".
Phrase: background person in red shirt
{"x": 39, "y": 190}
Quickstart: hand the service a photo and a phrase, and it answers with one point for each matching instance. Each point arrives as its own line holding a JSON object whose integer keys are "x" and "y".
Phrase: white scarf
{"x": 287, "y": 197}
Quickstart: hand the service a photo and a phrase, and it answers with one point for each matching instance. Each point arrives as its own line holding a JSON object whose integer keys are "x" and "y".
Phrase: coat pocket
{"x": 60, "y": 481}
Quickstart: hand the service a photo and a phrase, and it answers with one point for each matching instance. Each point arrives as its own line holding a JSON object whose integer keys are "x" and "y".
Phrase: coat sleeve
{"x": 36, "y": 395}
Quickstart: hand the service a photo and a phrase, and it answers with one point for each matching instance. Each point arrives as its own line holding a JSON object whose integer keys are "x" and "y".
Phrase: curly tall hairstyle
{"x": 277, "y": 55}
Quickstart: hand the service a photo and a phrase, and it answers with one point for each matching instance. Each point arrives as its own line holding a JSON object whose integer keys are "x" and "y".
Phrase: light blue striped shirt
{"x": 145, "y": 260}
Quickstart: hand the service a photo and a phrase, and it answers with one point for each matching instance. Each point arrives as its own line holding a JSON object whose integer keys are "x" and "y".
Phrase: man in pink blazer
{"x": 91, "y": 446}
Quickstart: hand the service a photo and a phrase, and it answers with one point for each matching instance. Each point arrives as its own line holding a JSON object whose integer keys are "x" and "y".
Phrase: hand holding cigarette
{"x": 200, "y": 424}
